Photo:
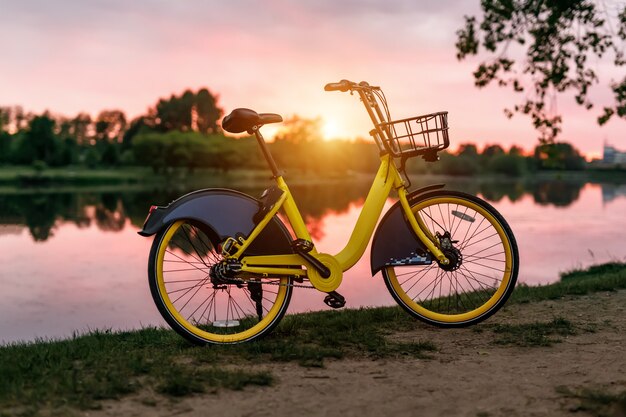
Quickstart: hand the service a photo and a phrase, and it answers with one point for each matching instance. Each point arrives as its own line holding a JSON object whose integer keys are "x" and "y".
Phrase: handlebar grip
{"x": 343, "y": 85}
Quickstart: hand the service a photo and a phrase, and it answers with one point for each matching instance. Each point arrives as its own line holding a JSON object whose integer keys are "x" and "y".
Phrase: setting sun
{"x": 381, "y": 189}
{"x": 330, "y": 130}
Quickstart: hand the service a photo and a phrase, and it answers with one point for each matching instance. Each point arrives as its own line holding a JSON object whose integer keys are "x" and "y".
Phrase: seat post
{"x": 266, "y": 152}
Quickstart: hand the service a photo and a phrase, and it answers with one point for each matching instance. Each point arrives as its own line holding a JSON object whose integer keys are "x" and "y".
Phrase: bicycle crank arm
{"x": 303, "y": 248}
{"x": 320, "y": 267}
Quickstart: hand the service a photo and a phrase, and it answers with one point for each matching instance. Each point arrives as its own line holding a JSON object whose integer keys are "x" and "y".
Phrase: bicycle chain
{"x": 291, "y": 285}
{"x": 242, "y": 281}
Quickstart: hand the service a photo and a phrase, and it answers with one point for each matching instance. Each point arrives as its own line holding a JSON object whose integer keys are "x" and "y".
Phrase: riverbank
{"x": 20, "y": 179}
{"x": 27, "y": 176}
{"x": 549, "y": 344}
{"x": 22, "y": 176}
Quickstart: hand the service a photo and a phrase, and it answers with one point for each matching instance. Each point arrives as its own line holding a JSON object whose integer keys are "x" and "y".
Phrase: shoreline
{"x": 155, "y": 367}
{"x": 141, "y": 177}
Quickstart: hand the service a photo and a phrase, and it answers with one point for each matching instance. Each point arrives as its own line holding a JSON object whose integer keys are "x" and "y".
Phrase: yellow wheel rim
{"x": 270, "y": 315}
{"x": 490, "y": 302}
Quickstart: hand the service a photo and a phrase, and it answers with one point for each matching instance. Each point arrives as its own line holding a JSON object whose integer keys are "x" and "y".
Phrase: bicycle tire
{"x": 464, "y": 215}
{"x": 228, "y": 325}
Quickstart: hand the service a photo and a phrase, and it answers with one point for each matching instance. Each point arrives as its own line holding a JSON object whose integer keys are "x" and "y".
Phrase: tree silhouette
{"x": 558, "y": 155}
{"x": 560, "y": 42}
{"x": 189, "y": 112}
{"x": 297, "y": 130}
{"x": 41, "y": 138}
{"x": 80, "y": 128}
{"x": 110, "y": 125}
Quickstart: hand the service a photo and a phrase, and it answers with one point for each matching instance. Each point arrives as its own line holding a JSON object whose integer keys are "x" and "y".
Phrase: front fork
{"x": 420, "y": 229}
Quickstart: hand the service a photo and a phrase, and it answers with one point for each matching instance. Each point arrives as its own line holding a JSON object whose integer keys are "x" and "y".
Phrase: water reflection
{"x": 612, "y": 191}
{"x": 72, "y": 260}
{"x": 40, "y": 211}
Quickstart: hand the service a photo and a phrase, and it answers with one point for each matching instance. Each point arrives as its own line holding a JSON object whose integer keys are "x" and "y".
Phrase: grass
{"x": 82, "y": 176}
{"x": 596, "y": 402}
{"x": 72, "y": 175}
{"x": 205, "y": 177}
{"x": 86, "y": 369}
{"x": 308, "y": 339}
{"x": 83, "y": 371}
{"x": 609, "y": 277}
{"x": 602, "y": 269}
{"x": 532, "y": 334}
{"x": 103, "y": 365}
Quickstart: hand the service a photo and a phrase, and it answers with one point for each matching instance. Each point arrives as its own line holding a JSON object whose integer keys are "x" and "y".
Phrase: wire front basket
{"x": 422, "y": 135}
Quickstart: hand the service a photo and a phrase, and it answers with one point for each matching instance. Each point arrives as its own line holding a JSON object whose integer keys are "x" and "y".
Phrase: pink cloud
{"x": 271, "y": 57}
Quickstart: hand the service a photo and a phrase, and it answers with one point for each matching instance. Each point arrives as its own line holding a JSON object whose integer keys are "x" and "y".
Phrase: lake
{"x": 72, "y": 260}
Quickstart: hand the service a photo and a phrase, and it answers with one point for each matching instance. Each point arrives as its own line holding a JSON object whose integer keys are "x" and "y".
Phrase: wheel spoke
{"x": 183, "y": 280}
{"x": 486, "y": 257}
{"x": 180, "y": 270}
{"x": 192, "y": 244}
{"x": 183, "y": 262}
{"x": 478, "y": 241}
{"x": 190, "y": 298}
{"x": 173, "y": 254}
{"x": 208, "y": 306}
{"x": 420, "y": 278}
{"x": 211, "y": 308}
{"x": 472, "y": 280}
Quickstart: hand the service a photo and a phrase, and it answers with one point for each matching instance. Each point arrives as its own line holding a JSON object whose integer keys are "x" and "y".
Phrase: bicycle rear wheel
{"x": 483, "y": 268}
{"x": 207, "y": 309}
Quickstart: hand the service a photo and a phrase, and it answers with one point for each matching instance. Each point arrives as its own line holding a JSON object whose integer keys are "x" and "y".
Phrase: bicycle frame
{"x": 387, "y": 178}
{"x": 247, "y": 253}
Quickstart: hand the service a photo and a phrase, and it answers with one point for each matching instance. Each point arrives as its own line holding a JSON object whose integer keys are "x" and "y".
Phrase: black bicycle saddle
{"x": 243, "y": 120}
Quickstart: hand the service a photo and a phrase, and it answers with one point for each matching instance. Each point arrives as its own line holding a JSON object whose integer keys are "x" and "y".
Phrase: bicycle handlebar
{"x": 343, "y": 85}
{"x": 369, "y": 95}
{"x": 346, "y": 85}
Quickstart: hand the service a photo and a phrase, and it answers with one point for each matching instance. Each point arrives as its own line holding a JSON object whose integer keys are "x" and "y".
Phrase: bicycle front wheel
{"x": 208, "y": 309}
{"x": 483, "y": 268}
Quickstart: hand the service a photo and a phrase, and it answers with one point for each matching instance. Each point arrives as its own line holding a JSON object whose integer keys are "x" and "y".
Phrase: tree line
{"x": 182, "y": 133}
{"x": 108, "y": 139}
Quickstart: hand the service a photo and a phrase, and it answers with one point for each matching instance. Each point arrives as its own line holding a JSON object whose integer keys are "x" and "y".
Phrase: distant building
{"x": 611, "y": 155}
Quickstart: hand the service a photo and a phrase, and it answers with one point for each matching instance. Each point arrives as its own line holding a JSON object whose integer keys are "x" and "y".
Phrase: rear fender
{"x": 395, "y": 242}
{"x": 226, "y": 213}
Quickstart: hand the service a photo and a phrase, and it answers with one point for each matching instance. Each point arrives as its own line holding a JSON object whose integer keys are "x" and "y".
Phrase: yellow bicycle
{"x": 223, "y": 266}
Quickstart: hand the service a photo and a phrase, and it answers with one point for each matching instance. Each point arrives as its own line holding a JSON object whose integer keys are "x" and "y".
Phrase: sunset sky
{"x": 271, "y": 56}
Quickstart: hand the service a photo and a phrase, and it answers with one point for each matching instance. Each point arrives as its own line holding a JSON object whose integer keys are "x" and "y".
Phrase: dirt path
{"x": 468, "y": 376}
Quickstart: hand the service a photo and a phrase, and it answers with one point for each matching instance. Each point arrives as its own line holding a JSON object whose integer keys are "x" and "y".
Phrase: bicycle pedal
{"x": 334, "y": 300}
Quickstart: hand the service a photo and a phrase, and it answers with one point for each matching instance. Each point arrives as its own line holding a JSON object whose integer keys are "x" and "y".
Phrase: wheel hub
{"x": 454, "y": 256}
{"x": 223, "y": 273}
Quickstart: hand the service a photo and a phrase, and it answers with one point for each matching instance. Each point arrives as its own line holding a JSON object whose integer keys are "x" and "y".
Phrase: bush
{"x": 110, "y": 155}
{"x": 127, "y": 158}
{"x": 39, "y": 166}
{"x": 92, "y": 158}
{"x": 509, "y": 165}
{"x": 456, "y": 165}
{"x": 183, "y": 150}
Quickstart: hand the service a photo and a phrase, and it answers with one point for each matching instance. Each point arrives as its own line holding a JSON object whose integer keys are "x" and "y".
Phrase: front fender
{"x": 394, "y": 242}
{"x": 227, "y": 213}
